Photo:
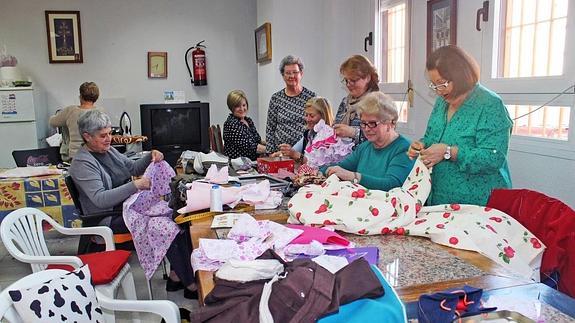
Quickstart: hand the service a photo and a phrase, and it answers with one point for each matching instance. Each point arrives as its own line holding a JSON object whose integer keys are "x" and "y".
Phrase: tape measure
{"x": 187, "y": 217}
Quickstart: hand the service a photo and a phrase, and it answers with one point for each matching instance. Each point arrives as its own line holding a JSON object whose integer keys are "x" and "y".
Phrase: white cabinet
{"x": 23, "y": 122}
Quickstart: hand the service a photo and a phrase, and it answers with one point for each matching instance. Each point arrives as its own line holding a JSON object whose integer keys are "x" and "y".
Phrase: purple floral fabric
{"x": 149, "y": 218}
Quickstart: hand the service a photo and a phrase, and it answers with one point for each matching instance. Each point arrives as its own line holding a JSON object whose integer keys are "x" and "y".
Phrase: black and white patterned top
{"x": 285, "y": 118}
{"x": 240, "y": 140}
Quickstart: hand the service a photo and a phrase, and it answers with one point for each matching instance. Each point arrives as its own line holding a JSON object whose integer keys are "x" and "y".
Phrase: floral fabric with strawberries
{"x": 352, "y": 208}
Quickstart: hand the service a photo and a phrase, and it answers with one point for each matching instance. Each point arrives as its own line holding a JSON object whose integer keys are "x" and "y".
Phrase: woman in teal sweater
{"x": 381, "y": 162}
{"x": 467, "y": 136}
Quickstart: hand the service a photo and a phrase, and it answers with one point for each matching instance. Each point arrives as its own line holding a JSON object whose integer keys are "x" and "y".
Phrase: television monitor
{"x": 173, "y": 128}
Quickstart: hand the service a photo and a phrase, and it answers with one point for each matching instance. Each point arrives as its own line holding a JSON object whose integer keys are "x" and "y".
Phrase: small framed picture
{"x": 264, "y": 43}
{"x": 64, "y": 36}
{"x": 441, "y": 24}
{"x": 157, "y": 65}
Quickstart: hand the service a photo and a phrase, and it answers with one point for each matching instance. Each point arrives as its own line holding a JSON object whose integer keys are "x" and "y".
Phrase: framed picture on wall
{"x": 441, "y": 24}
{"x": 64, "y": 36}
{"x": 264, "y": 43}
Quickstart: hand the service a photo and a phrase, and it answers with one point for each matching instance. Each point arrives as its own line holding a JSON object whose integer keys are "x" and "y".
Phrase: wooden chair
{"x": 37, "y": 157}
{"x": 216, "y": 141}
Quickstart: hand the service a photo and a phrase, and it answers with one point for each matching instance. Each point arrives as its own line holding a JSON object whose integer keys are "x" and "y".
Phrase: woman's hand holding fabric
{"x": 286, "y": 150}
{"x": 343, "y": 130}
{"x": 261, "y": 149}
{"x": 157, "y": 156}
{"x": 143, "y": 183}
{"x": 343, "y": 174}
{"x": 433, "y": 154}
{"x": 414, "y": 149}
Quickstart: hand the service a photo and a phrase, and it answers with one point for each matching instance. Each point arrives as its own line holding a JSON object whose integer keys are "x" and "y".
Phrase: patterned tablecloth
{"x": 47, "y": 193}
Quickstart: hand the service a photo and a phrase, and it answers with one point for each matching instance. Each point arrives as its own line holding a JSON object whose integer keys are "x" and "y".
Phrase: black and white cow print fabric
{"x": 70, "y": 298}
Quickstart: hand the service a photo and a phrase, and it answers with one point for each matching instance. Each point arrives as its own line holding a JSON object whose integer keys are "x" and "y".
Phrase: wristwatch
{"x": 447, "y": 154}
{"x": 355, "y": 178}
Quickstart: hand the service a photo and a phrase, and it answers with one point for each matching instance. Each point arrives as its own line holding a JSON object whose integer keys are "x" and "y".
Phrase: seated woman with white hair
{"x": 103, "y": 177}
{"x": 380, "y": 162}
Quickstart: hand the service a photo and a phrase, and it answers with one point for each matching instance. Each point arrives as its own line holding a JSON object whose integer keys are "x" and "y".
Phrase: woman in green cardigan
{"x": 467, "y": 136}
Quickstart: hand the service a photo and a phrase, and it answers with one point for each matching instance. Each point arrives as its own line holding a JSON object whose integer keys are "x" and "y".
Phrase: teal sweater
{"x": 481, "y": 129}
{"x": 380, "y": 169}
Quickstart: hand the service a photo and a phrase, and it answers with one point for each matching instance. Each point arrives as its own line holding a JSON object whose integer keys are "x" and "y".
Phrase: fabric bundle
{"x": 149, "y": 218}
{"x": 326, "y": 148}
{"x": 352, "y": 208}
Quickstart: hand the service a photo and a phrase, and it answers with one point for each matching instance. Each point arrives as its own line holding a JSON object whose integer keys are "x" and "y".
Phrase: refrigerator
{"x": 23, "y": 122}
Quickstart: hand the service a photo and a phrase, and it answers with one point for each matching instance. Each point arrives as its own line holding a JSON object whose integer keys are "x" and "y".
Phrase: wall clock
{"x": 158, "y": 65}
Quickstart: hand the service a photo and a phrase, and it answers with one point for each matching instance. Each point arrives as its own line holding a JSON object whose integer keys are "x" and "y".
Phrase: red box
{"x": 267, "y": 165}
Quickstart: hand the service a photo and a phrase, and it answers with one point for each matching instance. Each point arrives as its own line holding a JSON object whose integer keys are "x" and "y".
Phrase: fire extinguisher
{"x": 199, "y": 76}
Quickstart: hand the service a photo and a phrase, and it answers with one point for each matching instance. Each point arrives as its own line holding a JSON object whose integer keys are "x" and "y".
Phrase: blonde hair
{"x": 235, "y": 98}
{"x": 379, "y": 104}
{"x": 322, "y": 106}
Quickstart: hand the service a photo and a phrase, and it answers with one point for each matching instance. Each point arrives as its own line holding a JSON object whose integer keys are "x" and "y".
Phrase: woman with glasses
{"x": 467, "y": 136}
{"x": 359, "y": 77}
{"x": 285, "y": 113}
{"x": 380, "y": 163}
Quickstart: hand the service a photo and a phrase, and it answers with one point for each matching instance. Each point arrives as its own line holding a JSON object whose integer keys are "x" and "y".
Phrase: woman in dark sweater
{"x": 241, "y": 138}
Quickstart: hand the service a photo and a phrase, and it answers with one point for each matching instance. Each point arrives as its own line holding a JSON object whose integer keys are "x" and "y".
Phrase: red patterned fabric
{"x": 550, "y": 220}
{"x": 104, "y": 266}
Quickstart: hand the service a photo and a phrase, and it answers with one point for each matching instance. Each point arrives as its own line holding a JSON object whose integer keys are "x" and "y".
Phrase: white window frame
{"x": 397, "y": 91}
{"x": 532, "y": 90}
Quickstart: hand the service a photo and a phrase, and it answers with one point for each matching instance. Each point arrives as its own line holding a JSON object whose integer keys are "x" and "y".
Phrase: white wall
{"x": 116, "y": 36}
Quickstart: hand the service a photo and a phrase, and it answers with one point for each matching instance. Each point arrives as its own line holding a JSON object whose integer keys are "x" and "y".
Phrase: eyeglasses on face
{"x": 371, "y": 124}
{"x": 292, "y": 73}
{"x": 345, "y": 81}
{"x": 439, "y": 87}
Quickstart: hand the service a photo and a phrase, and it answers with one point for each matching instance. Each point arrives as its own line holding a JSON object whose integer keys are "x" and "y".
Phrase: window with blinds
{"x": 393, "y": 38}
{"x": 550, "y": 122}
{"x": 533, "y": 38}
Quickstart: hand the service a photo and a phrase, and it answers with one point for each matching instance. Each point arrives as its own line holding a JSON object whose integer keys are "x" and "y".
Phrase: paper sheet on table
{"x": 30, "y": 171}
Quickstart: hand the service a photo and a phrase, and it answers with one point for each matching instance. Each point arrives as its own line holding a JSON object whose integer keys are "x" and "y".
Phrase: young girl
{"x": 316, "y": 109}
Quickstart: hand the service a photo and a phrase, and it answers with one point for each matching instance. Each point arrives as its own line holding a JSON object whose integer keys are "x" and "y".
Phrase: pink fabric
{"x": 318, "y": 234}
{"x": 326, "y": 148}
{"x": 149, "y": 218}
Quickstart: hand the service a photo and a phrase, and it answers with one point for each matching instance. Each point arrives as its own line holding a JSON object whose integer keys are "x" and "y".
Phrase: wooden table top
{"x": 493, "y": 277}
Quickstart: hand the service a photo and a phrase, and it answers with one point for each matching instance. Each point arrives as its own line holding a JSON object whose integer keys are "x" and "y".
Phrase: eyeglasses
{"x": 345, "y": 81}
{"x": 292, "y": 73}
{"x": 371, "y": 124}
{"x": 439, "y": 87}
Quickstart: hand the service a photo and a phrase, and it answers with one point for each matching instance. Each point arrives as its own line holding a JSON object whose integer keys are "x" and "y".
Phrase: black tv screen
{"x": 173, "y": 128}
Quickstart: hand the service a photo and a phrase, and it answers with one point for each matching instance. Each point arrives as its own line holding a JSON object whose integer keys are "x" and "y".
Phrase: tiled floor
{"x": 11, "y": 270}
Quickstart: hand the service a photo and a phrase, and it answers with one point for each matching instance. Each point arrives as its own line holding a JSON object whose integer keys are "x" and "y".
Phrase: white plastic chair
{"x": 166, "y": 309}
{"x": 23, "y": 237}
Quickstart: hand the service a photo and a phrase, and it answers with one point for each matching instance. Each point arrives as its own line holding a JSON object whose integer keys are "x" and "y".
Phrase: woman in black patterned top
{"x": 241, "y": 139}
{"x": 285, "y": 122}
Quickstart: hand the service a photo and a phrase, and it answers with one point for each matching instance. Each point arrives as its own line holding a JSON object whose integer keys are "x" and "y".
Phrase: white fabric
{"x": 331, "y": 263}
{"x": 54, "y": 140}
{"x": 265, "y": 313}
{"x": 249, "y": 270}
{"x": 470, "y": 227}
{"x": 217, "y": 176}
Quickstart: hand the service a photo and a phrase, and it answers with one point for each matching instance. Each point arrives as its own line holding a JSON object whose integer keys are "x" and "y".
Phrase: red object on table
{"x": 267, "y": 165}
